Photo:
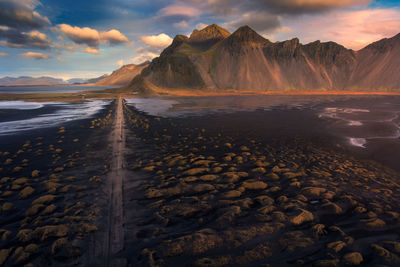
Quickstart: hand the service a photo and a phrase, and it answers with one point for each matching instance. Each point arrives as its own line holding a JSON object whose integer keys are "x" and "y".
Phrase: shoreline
{"x": 112, "y": 94}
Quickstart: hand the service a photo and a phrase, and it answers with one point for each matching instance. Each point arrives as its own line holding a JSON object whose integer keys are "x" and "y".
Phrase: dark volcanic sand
{"x": 274, "y": 185}
{"x": 255, "y": 188}
{"x": 47, "y": 216}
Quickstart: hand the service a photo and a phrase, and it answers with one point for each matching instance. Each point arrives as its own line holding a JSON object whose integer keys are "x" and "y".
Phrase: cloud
{"x": 200, "y": 26}
{"x": 3, "y": 54}
{"x": 238, "y": 7}
{"x": 113, "y": 37}
{"x": 120, "y": 63}
{"x": 92, "y": 37}
{"x": 21, "y": 15}
{"x": 183, "y": 24}
{"x": 307, "y": 6}
{"x": 353, "y": 29}
{"x": 179, "y": 10}
{"x": 145, "y": 56}
{"x": 85, "y": 35}
{"x": 162, "y": 40}
{"x": 91, "y": 50}
{"x": 35, "y": 55}
{"x": 259, "y": 21}
{"x": 61, "y": 59}
{"x": 16, "y": 39}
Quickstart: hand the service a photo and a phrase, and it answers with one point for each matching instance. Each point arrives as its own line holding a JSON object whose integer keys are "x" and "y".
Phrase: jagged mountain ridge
{"x": 244, "y": 60}
{"x": 123, "y": 75}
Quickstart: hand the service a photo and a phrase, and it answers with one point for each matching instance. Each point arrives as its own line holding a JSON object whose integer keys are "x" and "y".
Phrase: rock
{"x": 303, "y": 217}
{"x": 20, "y": 181}
{"x": 208, "y": 177}
{"x": 273, "y": 176}
{"x": 44, "y": 199}
{"x": 25, "y": 235}
{"x": 232, "y": 194}
{"x": 7, "y": 207}
{"x": 294, "y": 240}
{"x": 259, "y": 170}
{"x": 49, "y": 209}
{"x": 393, "y": 246}
{"x": 375, "y": 223}
{"x": 313, "y": 192}
{"x": 266, "y": 210}
{"x": 385, "y": 255}
{"x": 192, "y": 244}
{"x": 4, "y": 253}
{"x": 279, "y": 216}
{"x": 232, "y": 177}
{"x": 353, "y": 258}
{"x": 228, "y": 145}
{"x": 26, "y": 192}
{"x": 20, "y": 255}
{"x": 327, "y": 263}
{"x": 216, "y": 170}
{"x": 189, "y": 179}
{"x": 256, "y": 185}
{"x": 264, "y": 200}
{"x": 33, "y": 210}
{"x": 49, "y": 231}
{"x": 332, "y": 208}
{"x": 318, "y": 230}
{"x": 31, "y": 248}
{"x": 209, "y": 262}
{"x": 328, "y": 195}
{"x": 195, "y": 171}
{"x": 244, "y": 148}
{"x": 149, "y": 168}
{"x": 257, "y": 253}
{"x": 229, "y": 215}
{"x": 5, "y": 235}
{"x": 360, "y": 210}
{"x": 203, "y": 187}
{"x": 336, "y": 246}
{"x": 260, "y": 163}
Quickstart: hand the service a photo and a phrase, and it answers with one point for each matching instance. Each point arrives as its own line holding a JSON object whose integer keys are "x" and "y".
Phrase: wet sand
{"x": 223, "y": 190}
{"x": 251, "y": 187}
{"x": 50, "y": 186}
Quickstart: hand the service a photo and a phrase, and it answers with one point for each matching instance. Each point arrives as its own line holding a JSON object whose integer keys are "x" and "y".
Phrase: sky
{"x": 88, "y": 38}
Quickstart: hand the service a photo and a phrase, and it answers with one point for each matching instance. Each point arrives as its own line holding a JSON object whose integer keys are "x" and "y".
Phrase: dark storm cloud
{"x": 226, "y": 7}
{"x": 20, "y": 14}
{"x": 264, "y": 15}
{"x": 302, "y": 6}
{"x": 16, "y": 39}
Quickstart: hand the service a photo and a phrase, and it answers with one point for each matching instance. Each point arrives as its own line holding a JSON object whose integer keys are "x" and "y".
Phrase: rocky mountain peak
{"x": 208, "y": 36}
{"x": 245, "y": 34}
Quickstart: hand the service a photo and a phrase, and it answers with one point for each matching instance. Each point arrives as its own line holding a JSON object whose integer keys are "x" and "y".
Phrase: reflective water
{"x": 17, "y": 116}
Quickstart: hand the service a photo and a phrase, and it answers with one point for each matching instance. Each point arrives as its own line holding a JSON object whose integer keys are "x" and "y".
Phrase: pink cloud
{"x": 178, "y": 10}
{"x": 353, "y": 29}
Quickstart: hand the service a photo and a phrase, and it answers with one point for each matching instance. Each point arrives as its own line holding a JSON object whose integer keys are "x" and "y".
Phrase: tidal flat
{"x": 238, "y": 180}
{"x": 50, "y": 181}
{"x": 275, "y": 186}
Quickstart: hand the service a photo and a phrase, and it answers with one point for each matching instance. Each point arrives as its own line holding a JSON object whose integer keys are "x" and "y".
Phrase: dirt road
{"x": 108, "y": 244}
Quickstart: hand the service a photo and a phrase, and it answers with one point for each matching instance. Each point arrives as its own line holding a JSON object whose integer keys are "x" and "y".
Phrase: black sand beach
{"x": 50, "y": 189}
{"x": 228, "y": 189}
{"x": 275, "y": 185}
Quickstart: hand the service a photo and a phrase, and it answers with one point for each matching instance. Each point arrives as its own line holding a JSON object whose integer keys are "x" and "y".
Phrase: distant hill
{"x": 29, "y": 81}
{"x": 214, "y": 59}
{"x": 122, "y": 76}
{"x": 76, "y": 81}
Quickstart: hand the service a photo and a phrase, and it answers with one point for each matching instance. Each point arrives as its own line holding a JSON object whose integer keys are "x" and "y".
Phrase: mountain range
{"x": 120, "y": 77}
{"x": 27, "y": 81}
{"x": 213, "y": 59}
